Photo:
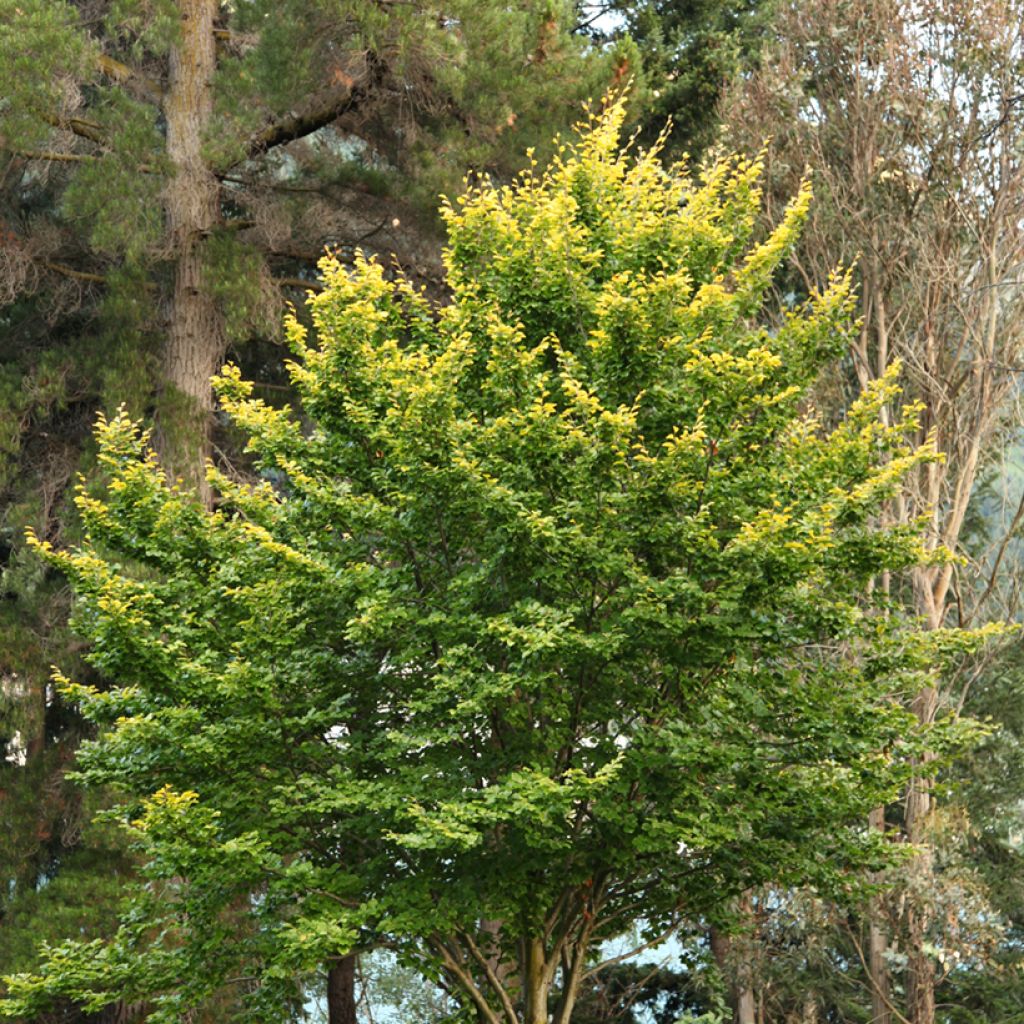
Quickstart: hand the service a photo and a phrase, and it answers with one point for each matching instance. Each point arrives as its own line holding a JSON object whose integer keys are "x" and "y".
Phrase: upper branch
{"x": 324, "y": 109}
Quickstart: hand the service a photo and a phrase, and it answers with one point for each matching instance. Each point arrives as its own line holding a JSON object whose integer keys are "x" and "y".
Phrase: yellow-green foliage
{"x": 551, "y": 610}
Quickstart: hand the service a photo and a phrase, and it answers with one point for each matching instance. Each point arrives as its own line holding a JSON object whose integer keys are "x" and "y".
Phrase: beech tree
{"x": 548, "y": 618}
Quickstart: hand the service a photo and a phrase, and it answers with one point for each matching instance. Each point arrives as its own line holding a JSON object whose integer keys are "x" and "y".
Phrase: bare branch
{"x": 656, "y": 941}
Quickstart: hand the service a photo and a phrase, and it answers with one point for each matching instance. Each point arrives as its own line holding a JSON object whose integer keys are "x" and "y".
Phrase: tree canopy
{"x": 550, "y": 615}
{"x": 170, "y": 172}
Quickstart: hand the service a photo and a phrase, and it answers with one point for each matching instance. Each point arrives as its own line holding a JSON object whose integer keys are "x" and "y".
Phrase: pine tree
{"x": 189, "y": 145}
{"x": 692, "y": 50}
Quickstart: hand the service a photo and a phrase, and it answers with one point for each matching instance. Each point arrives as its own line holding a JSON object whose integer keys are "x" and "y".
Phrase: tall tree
{"x": 692, "y": 50}
{"x": 172, "y": 131}
{"x": 554, "y": 625}
{"x": 169, "y": 173}
{"x": 909, "y": 115}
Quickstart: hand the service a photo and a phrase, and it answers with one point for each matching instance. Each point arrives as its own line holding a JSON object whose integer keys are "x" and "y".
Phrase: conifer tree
{"x": 188, "y": 145}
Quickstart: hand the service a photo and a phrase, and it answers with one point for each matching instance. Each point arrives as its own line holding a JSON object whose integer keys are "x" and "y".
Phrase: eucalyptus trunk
{"x": 920, "y": 968}
{"x": 878, "y": 944}
{"x": 735, "y": 966}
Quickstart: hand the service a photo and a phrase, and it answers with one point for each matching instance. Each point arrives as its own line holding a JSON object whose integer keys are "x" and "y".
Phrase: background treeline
{"x": 171, "y": 170}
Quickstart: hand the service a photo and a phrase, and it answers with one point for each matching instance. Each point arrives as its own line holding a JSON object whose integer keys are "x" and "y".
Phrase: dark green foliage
{"x": 691, "y": 51}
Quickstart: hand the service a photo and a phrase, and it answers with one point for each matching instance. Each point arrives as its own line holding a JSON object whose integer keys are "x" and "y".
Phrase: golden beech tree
{"x": 549, "y": 618}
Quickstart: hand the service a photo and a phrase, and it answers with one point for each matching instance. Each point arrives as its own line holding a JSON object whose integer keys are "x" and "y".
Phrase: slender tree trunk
{"x": 736, "y": 968}
{"x": 195, "y": 337}
{"x": 535, "y": 984}
{"x": 746, "y": 1006}
{"x": 920, "y": 968}
{"x": 341, "y": 991}
{"x": 878, "y": 943}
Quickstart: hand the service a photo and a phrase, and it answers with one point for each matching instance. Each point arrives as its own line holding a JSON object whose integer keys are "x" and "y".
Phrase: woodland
{"x": 511, "y": 513}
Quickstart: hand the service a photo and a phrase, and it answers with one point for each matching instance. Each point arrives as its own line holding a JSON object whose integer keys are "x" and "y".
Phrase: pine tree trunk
{"x": 195, "y": 336}
{"x": 341, "y": 991}
{"x": 878, "y": 943}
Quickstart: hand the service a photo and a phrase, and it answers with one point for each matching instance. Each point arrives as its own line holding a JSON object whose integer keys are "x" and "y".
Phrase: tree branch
{"x": 324, "y": 110}
{"x": 298, "y": 282}
{"x": 492, "y": 977}
{"x": 77, "y": 126}
{"x": 1008, "y": 535}
{"x": 149, "y": 87}
{"x": 54, "y": 157}
{"x": 611, "y": 961}
{"x": 465, "y": 980}
{"x": 78, "y": 275}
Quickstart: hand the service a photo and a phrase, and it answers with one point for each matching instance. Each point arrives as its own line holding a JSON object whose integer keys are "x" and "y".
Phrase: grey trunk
{"x": 878, "y": 944}
{"x": 920, "y": 969}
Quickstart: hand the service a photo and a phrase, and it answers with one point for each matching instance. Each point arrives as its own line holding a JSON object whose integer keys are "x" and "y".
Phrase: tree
{"x": 547, "y": 620}
{"x": 692, "y": 50}
{"x": 909, "y": 114}
{"x": 189, "y": 143}
{"x": 170, "y": 171}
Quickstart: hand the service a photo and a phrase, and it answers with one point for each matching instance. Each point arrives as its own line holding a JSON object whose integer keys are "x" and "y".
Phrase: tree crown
{"x": 549, "y": 614}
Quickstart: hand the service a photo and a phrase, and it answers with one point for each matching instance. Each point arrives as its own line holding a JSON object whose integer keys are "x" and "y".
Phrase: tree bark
{"x": 341, "y": 991}
{"x": 878, "y": 943}
{"x": 535, "y": 984}
{"x": 920, "y": 968}
{"x": 746, "y": 1011}
{"x": 736, "y": 969}
{"x": 195, "y": 336}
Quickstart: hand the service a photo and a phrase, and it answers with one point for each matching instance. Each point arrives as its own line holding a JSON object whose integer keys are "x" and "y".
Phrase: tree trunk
{"x": 746, "y": 1012}
{"x": 535, "y": 984}
{"x": 736, "y": 969}
{"x": 195, "y": 336}
{"x": 878, "y": 943}
{"x": 920, "y": 968}
{"x": 746, "y": 1007}
{"x": 341, "y": 991}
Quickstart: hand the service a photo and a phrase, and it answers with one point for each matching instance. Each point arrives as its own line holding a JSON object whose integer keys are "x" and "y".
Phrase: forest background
{"x": 170, "y": 172}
